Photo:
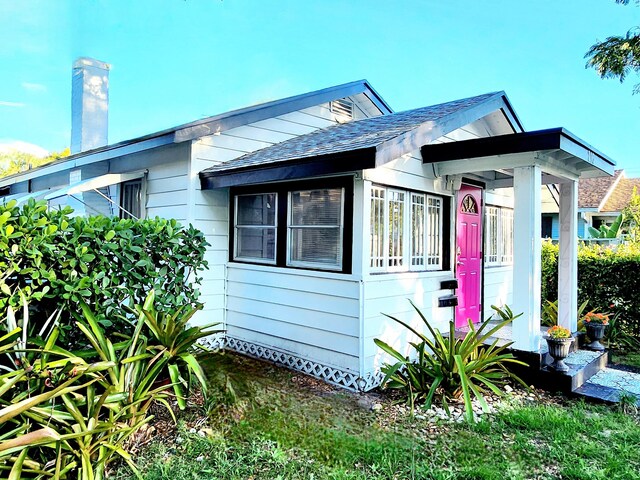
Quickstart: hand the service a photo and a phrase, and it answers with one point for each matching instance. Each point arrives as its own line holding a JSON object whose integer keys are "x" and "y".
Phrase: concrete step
{"x": 609, "y": 384}
{"x": 583, "y": 364}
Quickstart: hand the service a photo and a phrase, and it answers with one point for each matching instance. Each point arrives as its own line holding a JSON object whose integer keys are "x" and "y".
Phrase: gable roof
{"x": 592, "y": 192}
{"x": 385, "y": 137}
{"x": 621, "y": 195}
{"x": 206, "y": 126}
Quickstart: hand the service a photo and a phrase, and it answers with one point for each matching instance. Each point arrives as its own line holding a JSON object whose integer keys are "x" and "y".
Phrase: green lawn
{"x": 629, "y": 358}
{"x": 270, "y": 423}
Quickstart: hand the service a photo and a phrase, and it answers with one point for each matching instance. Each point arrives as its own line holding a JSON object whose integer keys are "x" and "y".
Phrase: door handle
{"x": 459, "y": 263}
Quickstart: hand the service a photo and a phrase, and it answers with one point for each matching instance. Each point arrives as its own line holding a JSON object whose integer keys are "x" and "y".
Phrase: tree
{"x": 632, "y": 215}
{"x": 617, "y": 56}
{"x": 16, "y": 162}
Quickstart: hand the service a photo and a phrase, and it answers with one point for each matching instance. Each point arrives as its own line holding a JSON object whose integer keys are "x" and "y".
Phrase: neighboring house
{"x": 600, "y": 201}
{"x": 327, "y": 210}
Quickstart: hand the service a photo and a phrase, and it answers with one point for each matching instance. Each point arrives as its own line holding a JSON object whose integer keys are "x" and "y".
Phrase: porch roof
{"x": 558, "y": 152}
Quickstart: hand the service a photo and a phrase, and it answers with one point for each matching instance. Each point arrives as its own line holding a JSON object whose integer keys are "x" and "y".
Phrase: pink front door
{"x": 468, "y": 254}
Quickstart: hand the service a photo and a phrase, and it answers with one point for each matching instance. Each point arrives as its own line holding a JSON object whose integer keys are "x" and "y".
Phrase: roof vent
{"x": 343, "y": 109}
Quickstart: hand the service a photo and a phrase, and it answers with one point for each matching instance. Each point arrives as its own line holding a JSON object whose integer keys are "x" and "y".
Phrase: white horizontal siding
{"x": 407, "y": 172}
{"x": 498, "y": 288}
{"x": 309, "y": 315}
{"x": 501, "y": 197}
{"x": 390, "y": 294}
{"x": 209, "y": 213}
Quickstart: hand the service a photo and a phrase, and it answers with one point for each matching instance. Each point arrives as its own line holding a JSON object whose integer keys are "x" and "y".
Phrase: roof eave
{"x": 220, "y": 123}
{"x": 520, "y": 143}
{"x": 208, "y": 126}
{"x": 293, "y": 169}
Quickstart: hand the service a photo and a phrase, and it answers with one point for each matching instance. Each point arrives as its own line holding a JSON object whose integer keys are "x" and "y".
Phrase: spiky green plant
{"x": 61, "y": 415}
{"x": 550, "y": 313}
{"x": 171, "y": 336}
{"x": 447, "y": 367}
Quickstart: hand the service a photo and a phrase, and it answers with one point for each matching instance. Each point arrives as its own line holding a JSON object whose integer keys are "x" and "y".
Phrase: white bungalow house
{"x": 327, "y": 209}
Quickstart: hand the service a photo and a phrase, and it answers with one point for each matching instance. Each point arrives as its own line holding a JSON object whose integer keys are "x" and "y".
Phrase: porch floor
{"x": 504, "y": 335}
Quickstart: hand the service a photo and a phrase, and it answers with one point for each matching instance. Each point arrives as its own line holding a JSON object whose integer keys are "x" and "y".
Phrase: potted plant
{"x": 595, "y": 323}
{"x": 559, "y": 340}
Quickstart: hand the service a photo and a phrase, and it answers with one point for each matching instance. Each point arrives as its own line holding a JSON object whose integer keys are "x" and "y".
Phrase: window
{"x": 131, "y": 199}
{"x": 405, "y": 231}
{"x": 315, "y": 228}
{"x": 298, "y": 225}
{"x": 498, "y": 236}
{"x": 256, "y": 227}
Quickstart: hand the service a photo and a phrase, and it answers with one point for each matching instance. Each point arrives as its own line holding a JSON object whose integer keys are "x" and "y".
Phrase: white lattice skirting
{"x": 329, "y": 374}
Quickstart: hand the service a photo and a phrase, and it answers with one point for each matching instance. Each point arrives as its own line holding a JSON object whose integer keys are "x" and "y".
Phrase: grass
{"x": 270, "y": 423}
{"x": 625, "y": 357}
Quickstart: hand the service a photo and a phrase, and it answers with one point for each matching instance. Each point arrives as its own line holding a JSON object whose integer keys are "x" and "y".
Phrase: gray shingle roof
{"x": 355, "y": 135}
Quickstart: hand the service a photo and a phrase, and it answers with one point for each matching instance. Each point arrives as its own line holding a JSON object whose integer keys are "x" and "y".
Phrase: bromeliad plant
{"x": 61, "y": 416}
{"x": 446, "y": 367}
{"x": 172, "y": 338}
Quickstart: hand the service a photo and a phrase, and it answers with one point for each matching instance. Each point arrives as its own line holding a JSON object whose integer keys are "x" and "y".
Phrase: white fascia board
{"x": 82, "y": 160}
{"x": 591, "y": 161}
{"x": 23, "y": 196}
{"x": 95, "y": 183}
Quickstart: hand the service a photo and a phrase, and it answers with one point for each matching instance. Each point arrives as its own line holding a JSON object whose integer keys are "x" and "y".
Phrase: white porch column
{"x": 527, "y": 185}
{"x": 568, "y": 259}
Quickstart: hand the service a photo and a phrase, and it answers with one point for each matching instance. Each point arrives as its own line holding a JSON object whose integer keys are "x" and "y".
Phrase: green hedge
{"x": 608, "y": 278}
{"x": 55, "y": 260}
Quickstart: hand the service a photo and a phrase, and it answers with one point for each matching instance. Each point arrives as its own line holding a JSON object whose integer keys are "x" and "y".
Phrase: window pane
{"x": 256, "y": 243}
{"x": 255, "y": 226}
{"x": 131, "y": 199}
{"x": 417, "y": 230}
{"x": 491, "y": 247}
{"x": 315, "y": 227}
{"x": 256, "y": 209}
{"x": 507, "y": 235}
{"x": 316, "y": 245}
{"x": 396, "y": 228}
{"x": 316, "y": 207}
{"x": 377, "y": 227}
{"x": 434, "y": 222}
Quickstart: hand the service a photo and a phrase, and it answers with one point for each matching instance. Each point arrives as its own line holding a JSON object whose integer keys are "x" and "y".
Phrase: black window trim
{"x": 282, "y": 191}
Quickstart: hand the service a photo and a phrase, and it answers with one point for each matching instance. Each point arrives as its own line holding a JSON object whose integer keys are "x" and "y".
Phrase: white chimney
{"x": 89, "y": 104}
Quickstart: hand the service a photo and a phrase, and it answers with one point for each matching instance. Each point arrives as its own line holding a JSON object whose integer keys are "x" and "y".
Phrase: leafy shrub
{"x": 606, "y": 279}
{"x": 549, "y": 285}
{"x": 59, "y": 260}
{"x": 450, "y": 366}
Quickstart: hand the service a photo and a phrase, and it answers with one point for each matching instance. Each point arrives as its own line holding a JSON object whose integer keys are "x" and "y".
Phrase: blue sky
{"x": 174, "y": 61}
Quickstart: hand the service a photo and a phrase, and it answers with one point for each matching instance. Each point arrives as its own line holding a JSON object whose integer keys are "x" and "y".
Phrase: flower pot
{"x": 559, "y": 350}
{"x": 595, "y": 332}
